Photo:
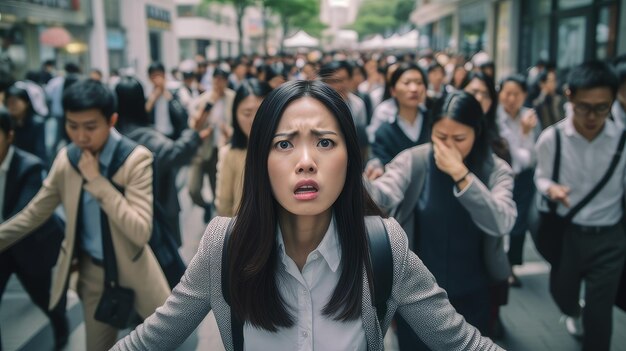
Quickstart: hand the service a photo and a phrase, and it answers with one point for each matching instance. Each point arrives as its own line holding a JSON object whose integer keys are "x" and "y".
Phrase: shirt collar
{"x": 4, "y": 167}
{"x": 328, "y": 248}
{"x": 107, "y": 152}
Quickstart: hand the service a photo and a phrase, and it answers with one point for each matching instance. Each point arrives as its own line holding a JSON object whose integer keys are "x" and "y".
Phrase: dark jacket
{"x": 31, "y": 137}
{"x": 390, "y": 140}
{"x": 23, "y": 181}
{"x": 178, "y": 116}
{"x": 169, "y": 156}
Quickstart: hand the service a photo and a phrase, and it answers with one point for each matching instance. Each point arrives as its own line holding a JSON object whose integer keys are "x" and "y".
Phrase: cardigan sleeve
{"x": 389, "y": 189}
{"x": 425, "y": 305}
{"x": 492, "y": 208}
{"x": 225, "y": 188}
{"x": 171, "y": 324}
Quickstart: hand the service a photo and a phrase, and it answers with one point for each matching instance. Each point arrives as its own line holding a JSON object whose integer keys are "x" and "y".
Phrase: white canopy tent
{"x": 372, "y": 44}
{"x": 301, "y": 40}
{"x": 405, "y": 41}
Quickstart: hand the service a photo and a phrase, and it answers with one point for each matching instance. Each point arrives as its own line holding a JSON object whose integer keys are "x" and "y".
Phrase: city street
{"x": 531, "y": 319}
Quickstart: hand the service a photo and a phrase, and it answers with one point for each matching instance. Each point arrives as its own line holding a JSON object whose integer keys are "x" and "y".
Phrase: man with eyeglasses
{"x": 594, "y": 243}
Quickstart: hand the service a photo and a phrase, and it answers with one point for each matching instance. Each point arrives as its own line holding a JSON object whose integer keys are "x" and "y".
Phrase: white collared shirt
{"x": 4, "y": 170}
{"x": 306, "y": 294}
{"x": 583, "y": 164}
{"x": 521, "y": 146}
{"x": 619, "y": 115}
{"x": 412, "y": 130}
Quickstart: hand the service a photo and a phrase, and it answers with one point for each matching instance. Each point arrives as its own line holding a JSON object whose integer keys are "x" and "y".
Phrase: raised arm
{"x": 492, "y": 208}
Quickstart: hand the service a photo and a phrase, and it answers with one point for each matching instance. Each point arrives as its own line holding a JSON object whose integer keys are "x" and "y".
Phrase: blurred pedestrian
{"x": 170, "y": 155}
{"x": 97, "y": 210}
{"x": 619, "y": 106}
{"x": 411, "y": 126}
{"x": 232, "y": 156}
{"x": 519, "y": 126}
{"x": 593, "y": 246}
{"x": 549, "y": 104}
{"x": 27, "y": 107}
{"x": 33, "y": 258}
{"x": 167, "y": 113}
{"x": 215, "y": 107}
{"x": 299, "y": 245}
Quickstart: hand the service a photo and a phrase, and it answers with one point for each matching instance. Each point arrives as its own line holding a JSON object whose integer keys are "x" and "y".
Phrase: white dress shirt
{"x": 306, "y": 294}
{"x": 4, "y": 170}
{"x": 358, "y": 110}
{"x": 521, "y": 146}
{"x": 619, "y": 115}
{"x": 412, "y": 130}
{"x": 583, "y": 164}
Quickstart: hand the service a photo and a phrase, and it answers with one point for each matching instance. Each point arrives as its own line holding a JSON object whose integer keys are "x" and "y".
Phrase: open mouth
{"x": 306, "y": 190}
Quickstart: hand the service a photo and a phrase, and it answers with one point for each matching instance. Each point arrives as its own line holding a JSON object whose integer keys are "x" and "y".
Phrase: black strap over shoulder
{"x": 596, "y": 189}
{"x": 605, "y": 179}
{"x": 381, "y": 259}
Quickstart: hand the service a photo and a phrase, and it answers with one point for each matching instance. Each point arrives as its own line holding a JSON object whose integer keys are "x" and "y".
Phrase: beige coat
{"x": 130, "y": 220}
{"x": 230, "y": 167}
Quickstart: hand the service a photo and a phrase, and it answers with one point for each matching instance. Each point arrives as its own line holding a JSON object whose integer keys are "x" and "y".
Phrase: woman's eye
{"x": 326, "y": 143}
{"x": 459, "y": 140}
{"x": 283, "y": 145}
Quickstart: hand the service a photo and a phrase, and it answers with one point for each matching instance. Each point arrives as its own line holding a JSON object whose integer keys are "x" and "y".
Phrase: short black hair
{"x": 518, "y": 79}
{"x": 156, "y": 67}
{"x": 330, "y": 68}
{"x": 219, "y": 72}
{"x": 6, "y": 80}
{"x": 593, "y": 74}
{"x": 6, "y": 122}
{"x": 71, "y": 67}
{"x": 435, "y": 66}
{"x": 543, "y": 76}
{"x": 89, "y": 94}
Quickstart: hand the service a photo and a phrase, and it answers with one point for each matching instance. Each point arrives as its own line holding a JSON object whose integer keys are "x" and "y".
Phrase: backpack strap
{"x": 381, "y": 260}
{"x": 236, "y": 326}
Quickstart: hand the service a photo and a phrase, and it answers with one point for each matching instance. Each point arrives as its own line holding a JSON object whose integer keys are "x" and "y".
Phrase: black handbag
{"x": 551, "y": 228}
{"x": 116, "y": 306}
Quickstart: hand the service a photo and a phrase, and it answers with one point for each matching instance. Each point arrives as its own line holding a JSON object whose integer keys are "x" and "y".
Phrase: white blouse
{"x": 306, "y": 294}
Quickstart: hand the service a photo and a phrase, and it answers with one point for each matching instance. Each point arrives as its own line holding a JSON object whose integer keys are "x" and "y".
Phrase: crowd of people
{"x": 299, "y": 151}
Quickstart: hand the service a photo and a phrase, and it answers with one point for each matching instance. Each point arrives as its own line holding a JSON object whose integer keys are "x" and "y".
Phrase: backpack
{"x": 381, "y": 260}
{"x": 162, "y": 240}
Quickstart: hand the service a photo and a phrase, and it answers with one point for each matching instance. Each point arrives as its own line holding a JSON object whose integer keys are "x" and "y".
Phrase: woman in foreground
{"x": 298, "y": 265}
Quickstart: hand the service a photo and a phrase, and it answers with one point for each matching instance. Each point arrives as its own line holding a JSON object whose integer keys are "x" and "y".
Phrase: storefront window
{"x": 540, "y": 48}
{"x": 155, "y": 46}
{"x": 605, "y": 32}
{"x": 571, "y": 45}
{"x": 568, "y": 4}
{"x": 537, "y": 7}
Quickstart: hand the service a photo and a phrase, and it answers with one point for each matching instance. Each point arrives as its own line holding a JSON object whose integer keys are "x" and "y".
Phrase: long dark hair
{"x": 462, "y": 107}
{"x": 490, "y": 115}
{"x": 250, "y": 86}
{"x": 131, "y": 104}
{"x": 253, "y": 251}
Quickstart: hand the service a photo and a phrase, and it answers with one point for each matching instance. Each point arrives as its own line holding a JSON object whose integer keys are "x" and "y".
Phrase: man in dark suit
{"x": 32, "y": 259}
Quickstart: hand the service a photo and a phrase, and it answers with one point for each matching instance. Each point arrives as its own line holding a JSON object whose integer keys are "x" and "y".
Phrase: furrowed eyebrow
{"x": 322, "y": 132}
{"x": 288, "y": 135}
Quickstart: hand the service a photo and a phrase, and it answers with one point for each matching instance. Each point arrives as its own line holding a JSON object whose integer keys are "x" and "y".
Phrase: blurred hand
{"x": 374, "y": 169}
{"x": 559, "y": 193}
{"x": 449, "y": 159}
{"x": 529, "y": 121}
{"x": 88, "y": 165}
{"x": 199, "y": 125}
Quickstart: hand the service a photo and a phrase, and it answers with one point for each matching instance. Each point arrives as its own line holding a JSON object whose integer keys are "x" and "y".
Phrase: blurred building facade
{"x": 517, "y": 33}
{"x": 123, "y": 34}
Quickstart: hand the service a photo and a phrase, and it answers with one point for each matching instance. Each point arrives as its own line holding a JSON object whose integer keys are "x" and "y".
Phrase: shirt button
{"x": 314, "y": 256}
{"x": 305, "y": 334}
{"x": 304, "y": 292}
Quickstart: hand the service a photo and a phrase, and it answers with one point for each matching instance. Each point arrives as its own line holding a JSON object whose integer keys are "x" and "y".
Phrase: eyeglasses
{"x": 598, "y": 110}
